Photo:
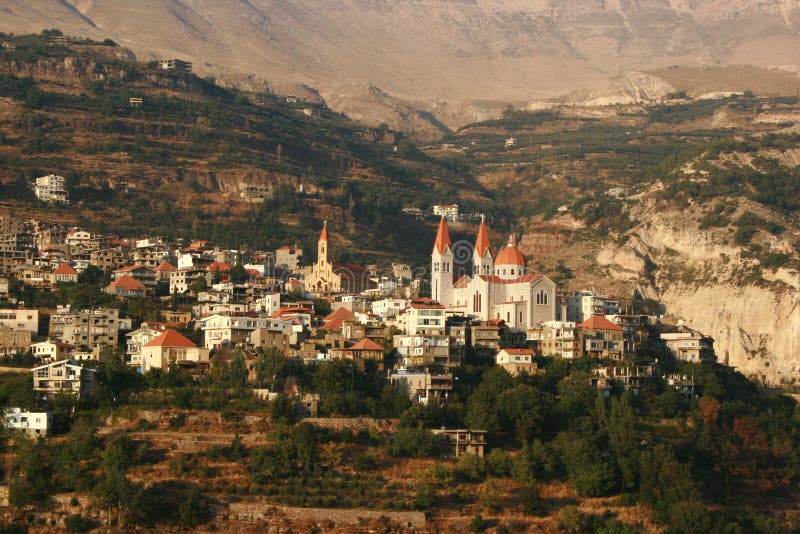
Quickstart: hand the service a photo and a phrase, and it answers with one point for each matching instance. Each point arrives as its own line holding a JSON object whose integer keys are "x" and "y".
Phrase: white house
{"x": 32, "y": 423}
{"x": 51, "y": 188}
{"x": 516, "y": 361}
{"x": 51, "y": 351}
{"x": 63, "y": 376}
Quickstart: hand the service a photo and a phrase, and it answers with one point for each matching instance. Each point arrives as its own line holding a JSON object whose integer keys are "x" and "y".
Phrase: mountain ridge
{"x": 425, "y": 53}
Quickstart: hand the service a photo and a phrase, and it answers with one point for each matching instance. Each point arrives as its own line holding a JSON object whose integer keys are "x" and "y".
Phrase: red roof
{"x": 127, "y": 283}
{"x": 219, "y": 266}
{"x": 171, "y": 338}
{"x": 366, "y": 344}
{"x": 598, "y": 322}
{"x": 482, "y": 241}
{"x": 334, "y": 320}
{"x": 442, "y": 242}
{"x": 165, "y": 267}
{"x": 65, "y": 268}
{"x": 519, "y": 352}
{"x": 510, "y": 255}
{"x": 340, "y": 312}
{"x": 285, "y": 310}
{"x": 323, "y": 235}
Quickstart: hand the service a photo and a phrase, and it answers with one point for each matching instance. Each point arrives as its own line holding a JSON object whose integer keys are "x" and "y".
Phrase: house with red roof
{"x": 64, "y": 273}
{"x": 602, "y": 339}
{"x": 162, "y": 271}
{"x": 172, "y": 348}
{"x": 126, "y": 286}
{"x": 362, "y": 352}
{"x": 143, "y": 274}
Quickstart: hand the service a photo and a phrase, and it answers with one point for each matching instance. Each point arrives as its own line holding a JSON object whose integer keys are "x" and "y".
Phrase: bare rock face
{"x": 700, "y": 276}
{"x": 448, "y": 54}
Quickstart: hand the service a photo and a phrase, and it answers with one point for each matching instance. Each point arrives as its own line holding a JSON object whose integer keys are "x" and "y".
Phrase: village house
{"x": 93, "y": 329}
{"x": 448, "y": 211}
{"x": 163, "y": 271}
{"x": 172, "y": 348}
{"x": 136, "y": 339}
{"x": 421, "y": 386}
{"x": 516, "y": 361}
{"x": 51, "y": 188}
{"x": 143, "y": 274}
{"x": 289, "y": 258}
{"x": 125, "y": 287}
{"x": 34, "y": 424}
{"x": 221, "y": 330}
{"x": 64, "y": 274}
{"x": 461, "y": 441}
{"x": 20, "y": 319}
{"x": 688, "y": 344}
{"x": 583, "y": 304}
{"x": 64, "y": 376}
{"x": 556, "y": 338}
{"x": 13, "y": 341}
{"x": 51, "y": 351}
{"x": 603, "y": 340}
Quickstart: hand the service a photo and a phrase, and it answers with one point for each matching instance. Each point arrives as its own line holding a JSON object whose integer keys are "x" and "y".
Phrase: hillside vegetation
{"x": 169, "y": 165}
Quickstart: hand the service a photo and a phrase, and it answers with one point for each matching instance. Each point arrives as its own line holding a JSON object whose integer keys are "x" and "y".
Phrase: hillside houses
{"x": 203, "y": 301}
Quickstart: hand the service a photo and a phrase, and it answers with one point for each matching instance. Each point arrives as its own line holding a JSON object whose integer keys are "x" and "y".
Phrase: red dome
{"x": 510, "y": 255}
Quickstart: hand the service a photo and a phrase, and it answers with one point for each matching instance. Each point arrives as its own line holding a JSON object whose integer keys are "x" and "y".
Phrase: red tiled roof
{"x": 518, "y": 352}
{"x": 482, "y": 241}
{"x": 219, "y": 266}
{"x": 366, "y": 344}
{"x": 323, "y": 235}
{"x": 286, "y": 310}
{"x": 171, "y": 338}
{"x": 341, "y": 312}
{"x": 442, "y": 242}
{"x": 65, "y": 268}
{"x": 127, "y": 283}
{"x": 165, "y": 267}
{"x": 598, "y": 322}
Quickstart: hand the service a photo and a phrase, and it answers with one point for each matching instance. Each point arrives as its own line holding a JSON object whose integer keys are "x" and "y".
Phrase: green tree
{"x": 238, "y": 274}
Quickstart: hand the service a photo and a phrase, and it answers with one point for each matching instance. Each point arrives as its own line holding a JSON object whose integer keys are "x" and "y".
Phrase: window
{"x": 542, "y": 297}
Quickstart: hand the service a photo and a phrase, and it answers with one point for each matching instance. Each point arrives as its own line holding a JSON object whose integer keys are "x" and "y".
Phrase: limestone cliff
{"x": 701, "y": 276}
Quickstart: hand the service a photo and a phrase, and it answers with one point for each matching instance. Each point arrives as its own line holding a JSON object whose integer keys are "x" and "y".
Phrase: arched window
{"x": 541, "y": 297}
{"x": 436, "y": 266}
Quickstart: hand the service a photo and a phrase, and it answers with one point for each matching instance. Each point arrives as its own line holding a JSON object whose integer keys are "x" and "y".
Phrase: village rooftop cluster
{"x": 220, "y": 301}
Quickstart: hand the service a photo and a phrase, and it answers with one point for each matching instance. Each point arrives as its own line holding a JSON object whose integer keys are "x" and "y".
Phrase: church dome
{"x": 510, "y": 255}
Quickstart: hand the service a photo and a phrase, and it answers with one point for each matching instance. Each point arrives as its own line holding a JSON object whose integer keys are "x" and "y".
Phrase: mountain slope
{"x": 185, "y": 155}
{"x": 427, "y": 52}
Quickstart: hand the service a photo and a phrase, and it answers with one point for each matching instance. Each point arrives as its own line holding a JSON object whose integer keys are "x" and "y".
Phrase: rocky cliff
{"x": 702, "y": 277}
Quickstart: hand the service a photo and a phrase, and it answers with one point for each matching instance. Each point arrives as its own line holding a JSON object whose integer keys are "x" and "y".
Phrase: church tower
{"x": 482, "y": 254}
{"x": 442, "y": 266}
{"x": 483, "y": 263}
{"x": 322, "y": 245}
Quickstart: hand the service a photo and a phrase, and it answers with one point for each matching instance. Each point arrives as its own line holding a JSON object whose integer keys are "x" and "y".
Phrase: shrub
{"x": 78, "y": 523}
{"x": 477, "y": 524}
{"x": 471, "y": 468}
{"x": 177, "y": 421}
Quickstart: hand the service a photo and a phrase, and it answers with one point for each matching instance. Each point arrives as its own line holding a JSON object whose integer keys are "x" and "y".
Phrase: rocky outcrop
{"x": 702, "y": 277}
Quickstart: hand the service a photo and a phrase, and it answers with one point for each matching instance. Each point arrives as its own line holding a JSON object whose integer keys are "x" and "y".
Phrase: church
{"x": 498, "y": 288}
{"x": 329, "y": 277}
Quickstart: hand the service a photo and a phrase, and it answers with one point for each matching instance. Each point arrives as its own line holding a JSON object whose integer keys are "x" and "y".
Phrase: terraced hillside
{"x": 181, "y": 158}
